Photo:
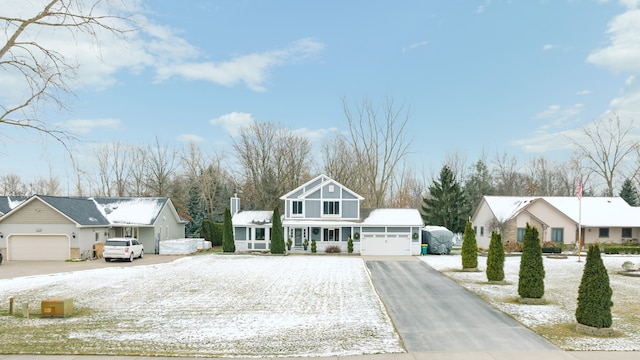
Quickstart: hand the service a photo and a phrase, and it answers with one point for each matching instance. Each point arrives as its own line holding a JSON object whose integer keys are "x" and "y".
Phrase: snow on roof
{"x": 506, "y": 207}
{"x": 597, "y": 211}
{"x": 396, "y": 217}
{"x": 14, "y": 203}
{"x": 252, "y": 217}
{"x": 141, "y": 211}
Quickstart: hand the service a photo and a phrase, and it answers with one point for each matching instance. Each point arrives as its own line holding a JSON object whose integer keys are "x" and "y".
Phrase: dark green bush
{"x": 212, "y": 231}
{"x": 313, "y": 246}
{"x": 594, "y": 293}
{"x": 350, "y": 246}
{"x": 277, "y": 239}
{"x": 469, "y": 248}
{"x": 228, "y": 243}
{"x": 621, "y": 249}
{"x": 531, "y": 275}
{"x": 495, "y": 258}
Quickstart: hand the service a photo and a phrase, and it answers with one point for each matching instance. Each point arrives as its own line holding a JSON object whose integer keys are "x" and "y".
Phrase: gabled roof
{"x": 252, "y": 217}
{"x": 307, "y": 190}
{"x": 395, "y": 217}
{"x": 103, "y": 211}
{"x": 7, "y": 203}
{"x": 589, "y": 212}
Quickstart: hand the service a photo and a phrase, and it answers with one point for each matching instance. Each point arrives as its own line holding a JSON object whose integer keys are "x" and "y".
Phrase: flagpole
{"x": 579, "y": 219}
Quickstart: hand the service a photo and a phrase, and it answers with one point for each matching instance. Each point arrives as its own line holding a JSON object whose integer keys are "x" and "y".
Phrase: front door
{"x": 297, "y": 234}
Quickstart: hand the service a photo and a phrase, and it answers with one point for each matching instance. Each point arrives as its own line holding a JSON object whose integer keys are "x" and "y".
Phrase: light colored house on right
{"x": 601, "y": 219}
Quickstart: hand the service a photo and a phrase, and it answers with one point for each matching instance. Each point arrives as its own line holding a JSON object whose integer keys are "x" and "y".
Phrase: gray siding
{"x": 326, "y": 194}
{"x": 348, "y": 195}
{"x": 350, "y": 209}
{"x": 314, "y": 195}
{"x": 312, "y": 209}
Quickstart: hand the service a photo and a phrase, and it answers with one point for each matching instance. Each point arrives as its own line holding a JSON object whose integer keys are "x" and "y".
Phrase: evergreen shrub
{"x": 531, "y": 275}
{"x": 350, "y": 246}
{"x": 277, "y": 238}
{"x": 228, "y": 243}
{"x": 594, "y": 293}
{"x": 469, "y": 248}
{"x": 495, "y": 258}
{"x": 313, "y": 246}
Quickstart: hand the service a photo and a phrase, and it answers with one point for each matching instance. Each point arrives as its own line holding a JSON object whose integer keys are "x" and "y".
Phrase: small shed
{"x": 439, "y": 239}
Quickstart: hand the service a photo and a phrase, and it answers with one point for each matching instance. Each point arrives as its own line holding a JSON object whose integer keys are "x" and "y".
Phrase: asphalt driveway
{"x": 432, "y": 313}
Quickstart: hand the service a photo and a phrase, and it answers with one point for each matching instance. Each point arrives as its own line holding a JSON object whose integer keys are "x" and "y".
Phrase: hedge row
{"x": 620, "y": 249}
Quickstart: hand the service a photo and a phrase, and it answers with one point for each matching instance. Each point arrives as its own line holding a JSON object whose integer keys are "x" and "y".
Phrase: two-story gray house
{"x": 325, "y": 210}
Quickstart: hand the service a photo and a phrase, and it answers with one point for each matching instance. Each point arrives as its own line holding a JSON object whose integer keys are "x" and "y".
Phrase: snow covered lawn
{"x": 556, "y": 320}
{"x": 209, "y": 305}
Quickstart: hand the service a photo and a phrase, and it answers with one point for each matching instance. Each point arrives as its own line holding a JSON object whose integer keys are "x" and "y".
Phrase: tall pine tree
{"x": 629, "y": 193}
{"x": 446, "y": 204}
{"x": 594, "y": 293}
{"x": 531, "y": 275}
{"x": 277, "y": 235}
{"x": 228, "y": 243}
{"x": 478, "y": 184}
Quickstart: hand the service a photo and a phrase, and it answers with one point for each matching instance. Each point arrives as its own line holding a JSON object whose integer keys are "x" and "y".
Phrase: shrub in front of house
{"x": 495, "y": 258}
{"x": 621, "y": 249}
{"x": 333, "y": 249}
{"x": 594, "y": 293}
{"x": 350, "y": 246}
{"x": 512, "y": 246}
{"x": 531, "y": 275}
{"x": 469, "y": 248}
{"x": 228, "y": 243}
{"x": 277, "y": 239}
{"x": 314, "y": 247}
{"x": 550, "y": 247}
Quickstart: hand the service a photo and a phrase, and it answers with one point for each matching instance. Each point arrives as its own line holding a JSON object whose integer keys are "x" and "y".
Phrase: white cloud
{"x": 415, "y": 46}
{"x": 583, "y": 92}
{"x": 251, "y": 69}
{"x": 86, "y": 126}
{"x": 233, "y": 122}
{"x": 190, "y": 138}
{"x": 315, "y": 135}
{"x": 548, "y": 47}
{"x": 623, "y": 53}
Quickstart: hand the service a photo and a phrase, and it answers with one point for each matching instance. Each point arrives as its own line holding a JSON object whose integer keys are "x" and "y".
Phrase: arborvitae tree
{"x": 469, "y": 248}
{"x": 228, "y": 243}
{"x": 350, "y": 245}
{"x": 629, "y": 193}
{"x": 446, "y": 205}
{"x": 531, "y": 276}
{"x": 594, "y": 294}
{"x": 313, "y": 246}
{"x": 277, "y": 239}
{"x": 495, "y": 259}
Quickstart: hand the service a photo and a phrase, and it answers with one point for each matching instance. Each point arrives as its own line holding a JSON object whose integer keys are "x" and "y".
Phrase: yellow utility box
{"x": 57, "y": 307}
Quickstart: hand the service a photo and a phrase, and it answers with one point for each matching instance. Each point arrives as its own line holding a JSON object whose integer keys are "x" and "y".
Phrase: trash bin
{"x": 424, "y": 249}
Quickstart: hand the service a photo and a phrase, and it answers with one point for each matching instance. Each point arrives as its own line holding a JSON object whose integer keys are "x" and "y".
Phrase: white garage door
{"x": 385, "y": 244}
{"x": 38, "y": 247}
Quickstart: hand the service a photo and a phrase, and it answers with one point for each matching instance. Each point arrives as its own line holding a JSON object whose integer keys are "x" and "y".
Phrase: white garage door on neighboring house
{"x": 385, "y": 244}
{"x": 38, "y": 247}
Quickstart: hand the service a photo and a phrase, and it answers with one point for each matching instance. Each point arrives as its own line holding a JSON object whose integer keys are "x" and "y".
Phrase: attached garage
{"x": 385, "y": 244}
{"x": 38, "y": 247}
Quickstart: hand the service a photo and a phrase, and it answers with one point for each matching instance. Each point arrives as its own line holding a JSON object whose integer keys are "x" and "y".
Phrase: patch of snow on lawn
{"x": 211, "y": 305}
{"x": 562, "y": 279}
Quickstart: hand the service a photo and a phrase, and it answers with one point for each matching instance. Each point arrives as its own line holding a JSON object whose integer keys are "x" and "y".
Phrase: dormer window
{"x": 331, "y": 208}
{"x": 296, "y": 207}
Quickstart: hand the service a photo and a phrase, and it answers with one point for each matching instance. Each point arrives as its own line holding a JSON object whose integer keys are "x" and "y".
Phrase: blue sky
{"x": 477, "y": 76}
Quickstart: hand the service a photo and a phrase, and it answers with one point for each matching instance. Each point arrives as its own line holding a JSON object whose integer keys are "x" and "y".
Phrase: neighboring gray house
{"x": 557, "y": 218}
{"x": 324, "y": 210}
{"x": 59, "y": 228}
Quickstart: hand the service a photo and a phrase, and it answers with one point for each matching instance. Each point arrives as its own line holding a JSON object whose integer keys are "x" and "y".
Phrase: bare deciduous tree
{"x": 275, "y": 160}
{"x": 508, "y": 179}
{"x": 160, "y": 168}
{"x": 114, "y": 163}
{"x": 46, "y": 73}
{"x": 12, "y": 185}
{"x": 338, "y": 163}
{"x": 377, "y": 137}
{"x": 206, "y": 174}
{"x": 605, "y": 144}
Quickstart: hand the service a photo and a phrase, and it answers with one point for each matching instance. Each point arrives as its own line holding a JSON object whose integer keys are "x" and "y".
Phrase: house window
{"x": 297, "y": 208}
{"x": 604, "y": 233}
{"x": 259, "y": 233}
{"x": 331, "y": 235}
{"x": 626, "y": 232}
{"x": 557, "y": 235}
{"x": 331, "y": 208}
{"x": 481, "y": 230}
{"x": 475, "y": 230}
{"x": 520, "y": 234}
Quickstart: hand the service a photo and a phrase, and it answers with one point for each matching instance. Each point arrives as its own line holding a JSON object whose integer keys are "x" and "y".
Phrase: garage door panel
{"x": 38, "y": 247}
{"x": 385, "y": 245}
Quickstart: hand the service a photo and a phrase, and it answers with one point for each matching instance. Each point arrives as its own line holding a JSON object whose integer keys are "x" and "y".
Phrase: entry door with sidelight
{"x": 297, "y": 234}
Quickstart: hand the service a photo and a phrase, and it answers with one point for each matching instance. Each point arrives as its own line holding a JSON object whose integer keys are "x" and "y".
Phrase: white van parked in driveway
{"x": 122, "y": 248}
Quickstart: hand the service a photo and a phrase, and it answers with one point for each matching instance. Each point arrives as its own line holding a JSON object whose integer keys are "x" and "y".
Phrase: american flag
{"x": 579, "y": 189}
